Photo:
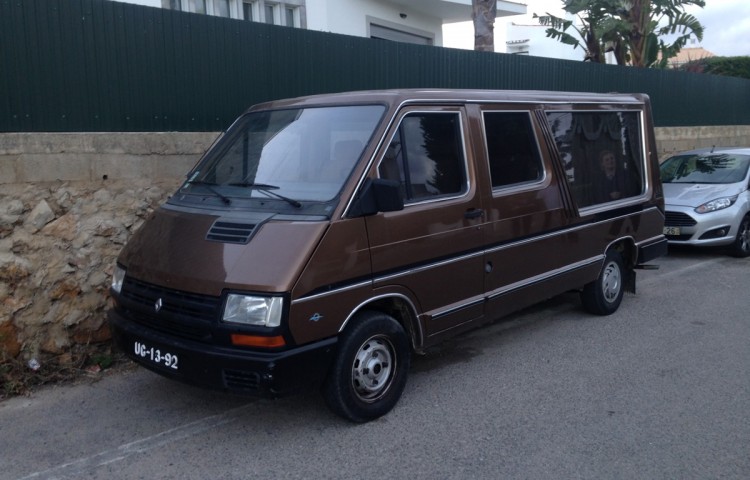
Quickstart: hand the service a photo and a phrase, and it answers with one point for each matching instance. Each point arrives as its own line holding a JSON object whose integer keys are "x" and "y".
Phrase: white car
{"x": 707, "y": 199}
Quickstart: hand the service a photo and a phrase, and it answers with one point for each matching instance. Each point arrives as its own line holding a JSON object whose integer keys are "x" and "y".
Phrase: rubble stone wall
{"x": 69, "y": 202}
{"x": 58, "y": 243}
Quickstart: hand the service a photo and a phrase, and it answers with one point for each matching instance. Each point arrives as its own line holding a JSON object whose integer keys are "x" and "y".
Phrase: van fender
{"x": 627, "y": 248}
{"x": 399, "y": 304}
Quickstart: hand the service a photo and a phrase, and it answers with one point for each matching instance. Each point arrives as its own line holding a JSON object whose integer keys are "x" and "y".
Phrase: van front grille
{"x": 230, "y": 232}
{"x": 678, "y": 219}
{"x": 183, "y": 314}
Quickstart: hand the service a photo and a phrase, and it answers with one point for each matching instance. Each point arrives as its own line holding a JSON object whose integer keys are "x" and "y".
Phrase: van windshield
{"x": 285, "y": 157}
{"x": 719, "y": 168}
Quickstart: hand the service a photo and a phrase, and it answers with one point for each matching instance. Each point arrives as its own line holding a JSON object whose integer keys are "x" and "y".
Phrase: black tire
{"x": 603, "y": 295}
{"x": 370, "y": 369}
{"x": 741, "y": 246}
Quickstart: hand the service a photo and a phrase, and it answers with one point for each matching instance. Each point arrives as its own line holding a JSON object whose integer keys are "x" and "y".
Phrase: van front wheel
{"x": 370, "y": 369}
{"x": 603, "y": 295}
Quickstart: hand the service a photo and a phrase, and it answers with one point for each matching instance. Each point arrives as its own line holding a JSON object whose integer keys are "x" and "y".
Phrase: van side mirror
{"x": 377, "y": 195}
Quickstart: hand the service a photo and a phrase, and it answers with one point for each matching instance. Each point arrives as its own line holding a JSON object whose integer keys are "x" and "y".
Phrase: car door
{"x": 528, "y": 256}
{"x": 431, "y": 251}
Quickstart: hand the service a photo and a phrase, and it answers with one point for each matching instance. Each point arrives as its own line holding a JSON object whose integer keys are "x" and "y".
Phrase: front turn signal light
{"x": 257, "y": 341}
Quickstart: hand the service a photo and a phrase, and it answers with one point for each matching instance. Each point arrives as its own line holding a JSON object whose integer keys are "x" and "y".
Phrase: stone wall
{"x": 58, "y": 243}
{"x": 676, "y": 139}
{"x": 69, "y": 202}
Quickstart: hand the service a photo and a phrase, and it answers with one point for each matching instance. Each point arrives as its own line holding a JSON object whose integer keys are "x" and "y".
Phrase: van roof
{"x": 396, "y": 97}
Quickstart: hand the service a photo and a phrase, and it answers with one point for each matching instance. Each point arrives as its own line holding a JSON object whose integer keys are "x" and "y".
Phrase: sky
{"x": 726, "y": 25}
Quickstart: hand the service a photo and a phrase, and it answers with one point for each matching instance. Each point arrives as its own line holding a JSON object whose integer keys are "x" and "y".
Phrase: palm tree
{"x": 483, "y": 13}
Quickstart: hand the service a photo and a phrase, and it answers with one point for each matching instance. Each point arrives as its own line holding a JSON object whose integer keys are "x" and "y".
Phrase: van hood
{"x": 181, "y": 251}
{"x": 695, "y": 194}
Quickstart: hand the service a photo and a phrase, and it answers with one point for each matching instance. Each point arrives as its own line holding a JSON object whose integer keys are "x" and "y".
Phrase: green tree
{"x": 642, "y": 33}
{"x": 483, "y": 13}
{"x": 726, "y": 66}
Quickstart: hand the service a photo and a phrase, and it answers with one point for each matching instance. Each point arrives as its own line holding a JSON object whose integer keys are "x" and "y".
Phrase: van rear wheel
{"x": 603, "y": 295}
{"x": 370, "y": 369}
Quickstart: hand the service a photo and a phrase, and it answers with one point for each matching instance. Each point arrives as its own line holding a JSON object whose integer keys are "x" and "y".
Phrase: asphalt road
{"x": 660, "y": 389}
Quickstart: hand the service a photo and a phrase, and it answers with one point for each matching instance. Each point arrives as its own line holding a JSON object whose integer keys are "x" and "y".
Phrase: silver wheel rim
{"x": 611, "y": 282}
{"x": 744, "y": 236}
{"x": 373, "y": 367}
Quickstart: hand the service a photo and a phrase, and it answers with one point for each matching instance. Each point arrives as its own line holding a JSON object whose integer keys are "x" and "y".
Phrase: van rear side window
{"x": 511, "y": 148}
{"x": 601, "y": 154}
{"x": 426, "y": 156}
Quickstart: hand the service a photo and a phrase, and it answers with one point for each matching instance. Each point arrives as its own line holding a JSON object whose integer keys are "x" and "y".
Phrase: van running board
{"x": 647, "y": 267}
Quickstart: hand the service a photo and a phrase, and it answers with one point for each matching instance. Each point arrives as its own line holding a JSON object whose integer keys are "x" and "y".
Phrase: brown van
{"x": 323, "y": 239}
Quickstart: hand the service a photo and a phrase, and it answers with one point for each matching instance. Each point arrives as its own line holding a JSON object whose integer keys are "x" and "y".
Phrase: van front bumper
{"x": 238, "y": 370}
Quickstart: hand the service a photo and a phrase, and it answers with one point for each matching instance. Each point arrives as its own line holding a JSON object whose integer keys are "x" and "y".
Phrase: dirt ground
{"x": 83, "y": 364}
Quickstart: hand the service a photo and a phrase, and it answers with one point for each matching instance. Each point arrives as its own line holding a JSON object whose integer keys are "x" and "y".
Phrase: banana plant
{"x": 635, "y": 31}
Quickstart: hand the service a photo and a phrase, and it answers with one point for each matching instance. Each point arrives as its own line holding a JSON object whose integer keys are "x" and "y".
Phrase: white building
{"x": 413, "y": 21}
{"x": 530, "y": 39}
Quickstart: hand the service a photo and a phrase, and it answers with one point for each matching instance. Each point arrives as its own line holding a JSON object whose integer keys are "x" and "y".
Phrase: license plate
{"x": 156, "y": 355}
{"x": 671, "y": 230}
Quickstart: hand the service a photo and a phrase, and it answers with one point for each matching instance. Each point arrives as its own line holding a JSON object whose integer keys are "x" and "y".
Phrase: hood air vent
{"x": 230, "y": 232}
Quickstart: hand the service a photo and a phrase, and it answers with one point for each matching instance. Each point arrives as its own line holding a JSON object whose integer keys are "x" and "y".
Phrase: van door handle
{"x": 473, "y": 213}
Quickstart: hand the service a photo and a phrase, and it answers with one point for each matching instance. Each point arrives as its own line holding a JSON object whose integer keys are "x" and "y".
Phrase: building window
{"x": 398, "y": 33}
{"x": 198, "y": 6}
{"x": 275, "y": 13}
{"x": 249, "y": 10}
{"x": 270, "y": 11}
{"x": 289, "y": 14}
{"x": 221, "y": 8}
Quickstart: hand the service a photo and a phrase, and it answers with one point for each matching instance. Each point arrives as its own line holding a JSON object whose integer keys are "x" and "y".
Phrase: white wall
{"x": 350, "y": 17}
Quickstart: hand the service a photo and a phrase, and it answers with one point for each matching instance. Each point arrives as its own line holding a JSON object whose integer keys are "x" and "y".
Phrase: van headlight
{"x": 717, "y": 204}
{"x": 118, "y": 276}
{"x": 253, "y": 310}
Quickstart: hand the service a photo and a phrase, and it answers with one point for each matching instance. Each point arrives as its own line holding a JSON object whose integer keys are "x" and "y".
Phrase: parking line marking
{"x": 77, "y": 468}
{"x": 679, "y": 271}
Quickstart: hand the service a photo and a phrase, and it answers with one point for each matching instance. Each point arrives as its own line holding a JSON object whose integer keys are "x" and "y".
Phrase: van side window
{"x": 511, "y": 148}
{"x": 426, "y": 156}
{"x": 601, "y": 153}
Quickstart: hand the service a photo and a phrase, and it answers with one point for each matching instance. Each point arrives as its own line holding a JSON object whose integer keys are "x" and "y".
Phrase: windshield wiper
{"x": 268, "y": 190}
{"x": 210, "y": 186}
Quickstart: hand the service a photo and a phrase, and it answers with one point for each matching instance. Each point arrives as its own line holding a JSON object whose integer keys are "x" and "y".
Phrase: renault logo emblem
{"x": 158, "y": 305}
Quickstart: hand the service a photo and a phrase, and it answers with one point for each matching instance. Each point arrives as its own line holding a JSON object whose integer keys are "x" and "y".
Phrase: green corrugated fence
{"x": 98, "y": 65}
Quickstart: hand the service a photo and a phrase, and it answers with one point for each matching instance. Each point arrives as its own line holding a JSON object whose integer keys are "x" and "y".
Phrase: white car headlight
{"x": 716, "y": 204}
{"x": 118, "y": 276}
{"x": 253, "y": 310}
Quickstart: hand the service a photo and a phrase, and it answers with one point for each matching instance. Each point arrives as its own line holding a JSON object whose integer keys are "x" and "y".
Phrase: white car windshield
{"x": 710, "y": 168}
{"x": 291, "y": 156}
